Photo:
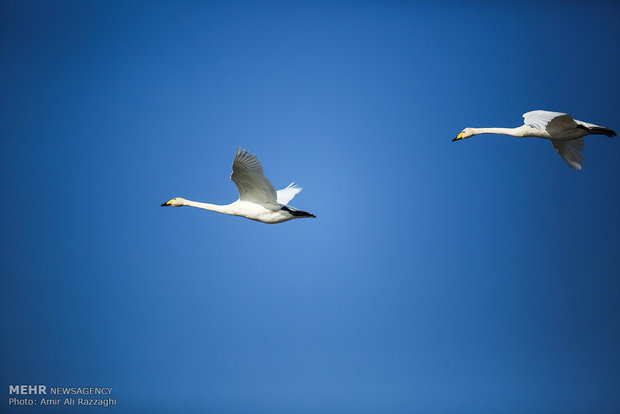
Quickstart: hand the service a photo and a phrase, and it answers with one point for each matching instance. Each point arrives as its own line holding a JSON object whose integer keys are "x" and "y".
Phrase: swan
{"x": 565, "y": 133}
{"x": 258, "y": 200}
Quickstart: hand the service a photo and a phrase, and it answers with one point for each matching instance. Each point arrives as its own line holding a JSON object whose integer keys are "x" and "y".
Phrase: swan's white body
{"x": 258, "y": 200}
{"x": 565, "y": 133}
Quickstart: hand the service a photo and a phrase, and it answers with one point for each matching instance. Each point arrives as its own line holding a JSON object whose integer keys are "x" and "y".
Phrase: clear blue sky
{"x": 471, "y": 277}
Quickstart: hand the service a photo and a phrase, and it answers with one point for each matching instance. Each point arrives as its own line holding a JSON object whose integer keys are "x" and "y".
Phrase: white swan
{"x": 258, "y": 200}
{"x": 566, "y": 134}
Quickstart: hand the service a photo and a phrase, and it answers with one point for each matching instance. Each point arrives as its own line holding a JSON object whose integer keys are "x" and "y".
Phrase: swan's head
{"x": 175, "y": 202}
{"x": 466, "y": 133}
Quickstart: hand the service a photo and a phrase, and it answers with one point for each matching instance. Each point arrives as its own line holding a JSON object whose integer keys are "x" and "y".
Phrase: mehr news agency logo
{"x": 57, "y": 396}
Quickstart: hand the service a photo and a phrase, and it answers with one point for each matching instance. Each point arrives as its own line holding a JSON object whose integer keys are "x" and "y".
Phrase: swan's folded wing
{"x": 286, "y": 194}
{"x": 571, "y": 151}
{"x": 553, "y": 122}
{"x": 248, "y": 176}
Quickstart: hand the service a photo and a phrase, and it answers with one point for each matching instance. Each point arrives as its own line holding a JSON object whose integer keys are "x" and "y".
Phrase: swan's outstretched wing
{"x": 570, "y": 151}
{"x": 286, "y": 194}
{"x": 247, "y": 173}
{"x": 554, "y": 123}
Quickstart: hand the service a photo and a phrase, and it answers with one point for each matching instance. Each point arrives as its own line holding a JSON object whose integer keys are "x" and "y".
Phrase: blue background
{"x": 472, "y": 277}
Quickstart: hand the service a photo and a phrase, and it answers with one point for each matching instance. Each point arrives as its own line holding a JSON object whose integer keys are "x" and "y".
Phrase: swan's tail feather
{"x": 297, "y": 213}
{"x": 599, "y": 130}
{"x": 603, "y": 131}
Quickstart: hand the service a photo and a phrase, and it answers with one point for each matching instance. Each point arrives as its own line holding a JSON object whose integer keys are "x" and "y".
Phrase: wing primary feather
{"x": 253, "y": 186}
{"x": 285, "y": 195}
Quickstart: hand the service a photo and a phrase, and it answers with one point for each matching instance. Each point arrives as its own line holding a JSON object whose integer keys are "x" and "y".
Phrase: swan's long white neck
{"x": 515, "y": 132}
{"x": 225, "y": 209}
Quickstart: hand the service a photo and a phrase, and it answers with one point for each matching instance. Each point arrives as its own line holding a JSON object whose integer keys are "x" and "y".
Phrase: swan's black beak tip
{"x": 166, "y": 204}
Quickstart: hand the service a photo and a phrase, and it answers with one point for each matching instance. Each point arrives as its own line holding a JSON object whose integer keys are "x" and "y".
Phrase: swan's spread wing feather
{"x": 540, "y": 119}
{"x": 248, "y": 175}
{"x": 571, "y": 151}
{"x": 286, "y": 194}
{"x": 553, "y": 122}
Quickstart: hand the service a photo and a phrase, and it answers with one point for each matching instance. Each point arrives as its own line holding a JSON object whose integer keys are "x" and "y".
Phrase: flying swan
{"x": 565, "y": 133}
{"x": 258, "y": 200}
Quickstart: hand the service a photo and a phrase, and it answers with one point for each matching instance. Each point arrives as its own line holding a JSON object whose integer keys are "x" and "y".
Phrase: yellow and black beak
{"x": 167, "y": 203}
{"x": 459, "y": 136}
